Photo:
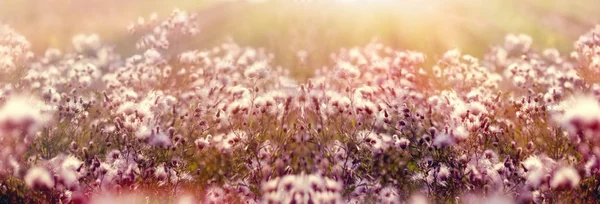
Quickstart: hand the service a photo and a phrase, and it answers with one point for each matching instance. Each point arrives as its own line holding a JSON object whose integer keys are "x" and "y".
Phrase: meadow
{"x": 456, "y": 101}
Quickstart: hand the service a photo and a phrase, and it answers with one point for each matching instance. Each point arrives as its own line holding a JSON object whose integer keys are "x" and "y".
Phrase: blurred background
{"x": 317, "y": 28}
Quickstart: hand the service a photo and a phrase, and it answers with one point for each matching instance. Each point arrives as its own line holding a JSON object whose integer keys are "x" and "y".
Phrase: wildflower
{"x": 565, "y": 178}
{"x": 389, "y": 195}
{"x": 258, "y": 70}
{"x": 202, "y": 143}
{"x": 39, "y": 178}
{"x": 70, "y": 171}
{"x": 591, "y": 166}
{"x": 452, "y": 56}
{"x": 460, "y": 133}
{"x": 443, "y": 173}
{"x": 374, "y": 142}
{"x": 152, "y": 56}
{"x": 345, "y": 70}
{"x": 402, "y": 143}
{"x": 113, "y": 155}
{"x": 443, "y": 140}
{"x": 14, "y": 49}
{"x": 160, "y": 172}
{"x": 24, "y": 114}
{"x": 534, "y": 170}
{"x": 160, "y": 139}
{"x": 582, "y": 114}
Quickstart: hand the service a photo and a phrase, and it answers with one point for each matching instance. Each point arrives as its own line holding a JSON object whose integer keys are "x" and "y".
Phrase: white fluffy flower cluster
{"x": 304, "y": 188}
{"x": 21, "y": 117}
{"x": 14, "y": 50}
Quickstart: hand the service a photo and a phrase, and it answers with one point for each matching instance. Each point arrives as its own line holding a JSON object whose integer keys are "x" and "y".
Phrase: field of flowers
{"x": 227, "y": 124}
